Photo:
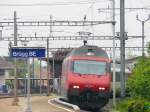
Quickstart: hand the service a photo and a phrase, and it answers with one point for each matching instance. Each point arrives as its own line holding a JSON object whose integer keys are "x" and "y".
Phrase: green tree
{"x": 148, "y": 50}
{"x": 138, "y": 86}
{"x": 21, "y": 68}
{"x": 139, "y": 82}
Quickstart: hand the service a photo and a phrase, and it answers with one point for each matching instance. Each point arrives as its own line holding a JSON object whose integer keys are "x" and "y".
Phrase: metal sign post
{"x": 28, "y": 109}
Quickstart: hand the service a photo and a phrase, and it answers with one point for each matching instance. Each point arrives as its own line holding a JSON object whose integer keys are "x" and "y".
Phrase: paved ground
{"x": 39, "y": 104}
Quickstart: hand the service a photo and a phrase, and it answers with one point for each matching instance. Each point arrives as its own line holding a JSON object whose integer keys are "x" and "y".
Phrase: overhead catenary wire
{"x": 85, "y": 17}
{"x": 52, "y": 4}
{"x": 118, "y": 15}
{"x": 128, "y": 10}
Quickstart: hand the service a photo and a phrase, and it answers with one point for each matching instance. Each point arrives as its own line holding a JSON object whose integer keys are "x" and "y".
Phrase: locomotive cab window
{"x": 89, "y": 67}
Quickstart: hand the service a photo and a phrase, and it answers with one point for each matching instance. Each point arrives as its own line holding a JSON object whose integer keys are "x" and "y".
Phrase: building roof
{"x": 5, "y": 64}
{"x": 129, "y": 60}
{"x": 133, "y": 59}
{"x": 59, "y": 55}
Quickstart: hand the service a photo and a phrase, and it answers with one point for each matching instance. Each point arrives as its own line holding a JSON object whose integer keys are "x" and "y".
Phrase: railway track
{"x": 94, "y": 111}
{"x": 81, "y": 110}
{"x": 84, "y": 111}
{"x": 73, "y": 108}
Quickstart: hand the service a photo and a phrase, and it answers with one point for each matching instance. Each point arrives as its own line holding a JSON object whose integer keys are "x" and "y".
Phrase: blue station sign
{"x": 27, "y": 52}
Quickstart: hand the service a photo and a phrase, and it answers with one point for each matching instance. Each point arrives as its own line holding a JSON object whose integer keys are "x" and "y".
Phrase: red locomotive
{"x": 86, "y": 78}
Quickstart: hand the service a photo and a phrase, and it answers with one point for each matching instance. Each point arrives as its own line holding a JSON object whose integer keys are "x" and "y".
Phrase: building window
{"x": 2, "y": 71}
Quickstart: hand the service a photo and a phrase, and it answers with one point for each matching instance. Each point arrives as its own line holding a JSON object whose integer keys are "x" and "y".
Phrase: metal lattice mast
{"x": 114, "y": 55}
{"x": 15, "y": 101}
{"x": 143, "y": 35}
{"x": 122, "y": 47}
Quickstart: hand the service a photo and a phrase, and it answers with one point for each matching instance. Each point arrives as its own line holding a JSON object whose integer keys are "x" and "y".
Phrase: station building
{"x": 5, "y": 66}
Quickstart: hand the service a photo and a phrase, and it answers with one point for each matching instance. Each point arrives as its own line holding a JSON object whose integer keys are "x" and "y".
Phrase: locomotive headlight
{"x": 101, "y": 88}
{"x": 76, "y": 87}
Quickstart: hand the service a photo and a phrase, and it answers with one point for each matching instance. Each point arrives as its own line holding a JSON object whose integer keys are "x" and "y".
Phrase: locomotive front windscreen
{"x": 89, "y": 67}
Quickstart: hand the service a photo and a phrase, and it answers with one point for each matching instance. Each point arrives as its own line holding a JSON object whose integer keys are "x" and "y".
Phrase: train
{"x": 86, "y": 79}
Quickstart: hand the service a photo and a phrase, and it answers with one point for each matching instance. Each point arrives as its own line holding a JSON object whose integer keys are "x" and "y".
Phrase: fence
{"x": 38, "y": 86}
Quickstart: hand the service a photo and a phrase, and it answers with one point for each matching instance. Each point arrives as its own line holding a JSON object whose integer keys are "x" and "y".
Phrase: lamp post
{"x": 143, "y": 23}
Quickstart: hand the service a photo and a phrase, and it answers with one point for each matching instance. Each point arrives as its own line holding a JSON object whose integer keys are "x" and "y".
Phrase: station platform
{"x": 38, "y": 104}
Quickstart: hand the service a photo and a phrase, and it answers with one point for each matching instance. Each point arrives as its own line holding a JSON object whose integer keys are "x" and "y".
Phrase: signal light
{"x": 101, "y": 88}
{"x": 76, "y": 87}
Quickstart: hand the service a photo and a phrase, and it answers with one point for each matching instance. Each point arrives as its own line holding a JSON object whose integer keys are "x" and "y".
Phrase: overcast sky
{"x": 73, "y": 10}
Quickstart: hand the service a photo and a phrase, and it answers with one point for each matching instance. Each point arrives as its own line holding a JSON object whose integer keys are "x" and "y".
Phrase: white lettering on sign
{"x": 14, "y": 54}
{"x": 20, "y": 54}
{"x": 32, "y": 53}
{"x": 24, "y": 54}
{"x": 27, "y": 52}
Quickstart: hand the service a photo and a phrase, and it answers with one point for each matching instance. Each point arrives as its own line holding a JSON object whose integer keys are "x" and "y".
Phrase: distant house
{"x": 129, "y": 65}
{"x": 5, "y": 66}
